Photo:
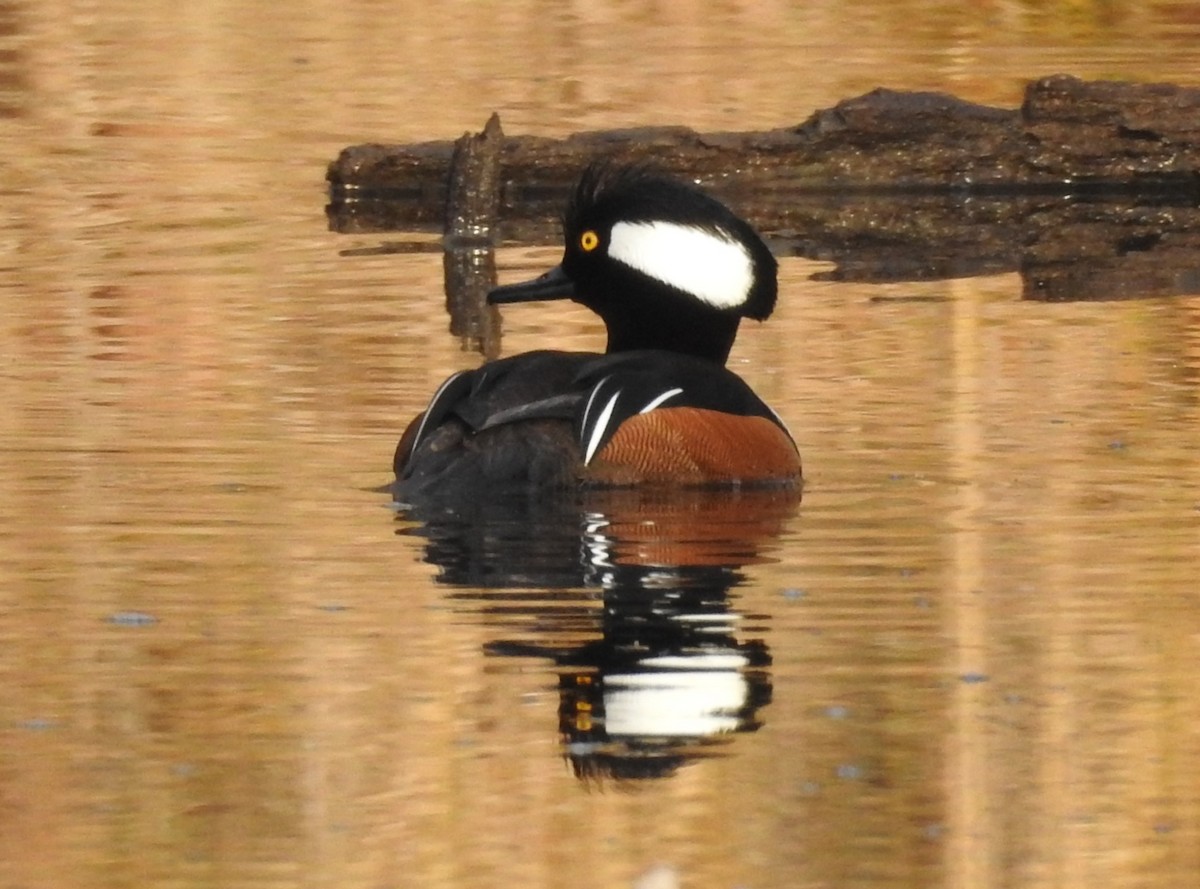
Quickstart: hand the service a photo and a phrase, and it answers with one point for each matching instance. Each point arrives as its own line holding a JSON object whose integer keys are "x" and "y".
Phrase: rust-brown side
{"x": 687, "y": 445}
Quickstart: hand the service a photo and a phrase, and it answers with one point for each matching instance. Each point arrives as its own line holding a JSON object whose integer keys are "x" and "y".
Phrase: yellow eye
{"x": 589, "y": 241}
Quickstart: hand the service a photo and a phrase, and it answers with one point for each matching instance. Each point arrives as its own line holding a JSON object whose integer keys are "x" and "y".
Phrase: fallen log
{"x": 888, "y": 186}
{"x": 1068, "y": 134}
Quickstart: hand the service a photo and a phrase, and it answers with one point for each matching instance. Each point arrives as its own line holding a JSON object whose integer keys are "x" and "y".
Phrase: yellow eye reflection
{"x": 589, "y": 241}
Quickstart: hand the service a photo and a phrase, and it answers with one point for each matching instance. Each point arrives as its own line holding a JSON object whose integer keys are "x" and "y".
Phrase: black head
{"x": 664, "y": 264}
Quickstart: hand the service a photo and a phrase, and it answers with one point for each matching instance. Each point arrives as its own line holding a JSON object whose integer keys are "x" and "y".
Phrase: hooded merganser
{"x": 671, "y": 271}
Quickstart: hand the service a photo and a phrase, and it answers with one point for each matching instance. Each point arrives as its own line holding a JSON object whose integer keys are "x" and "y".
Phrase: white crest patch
{"x": 713, "y": 266}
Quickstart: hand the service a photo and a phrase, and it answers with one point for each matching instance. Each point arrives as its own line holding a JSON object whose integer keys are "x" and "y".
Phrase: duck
{"x": 671, "y": 271}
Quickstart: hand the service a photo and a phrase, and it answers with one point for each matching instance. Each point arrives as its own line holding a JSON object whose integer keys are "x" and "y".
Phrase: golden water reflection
{"x": 220, "y": 664}
{"x": 629, "y": 597}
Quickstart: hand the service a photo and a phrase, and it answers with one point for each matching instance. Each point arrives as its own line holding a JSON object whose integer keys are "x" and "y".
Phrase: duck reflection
{"x": 628, "y": 595}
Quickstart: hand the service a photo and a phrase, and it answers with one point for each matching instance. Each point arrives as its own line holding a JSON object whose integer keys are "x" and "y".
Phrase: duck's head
{"x": 665, "y": 265}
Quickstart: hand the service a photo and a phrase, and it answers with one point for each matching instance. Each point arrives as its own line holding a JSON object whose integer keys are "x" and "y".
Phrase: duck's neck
{"x": 709, "y": 337}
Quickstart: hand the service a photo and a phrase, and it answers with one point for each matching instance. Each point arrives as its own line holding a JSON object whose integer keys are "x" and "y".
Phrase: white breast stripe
{"x": 779, "y": 420}
{"x": 587, "y": 408}
{"x": 598, "y": 430}
{"x": 436, "y": 395}
{"x": 655, "y": 402}
{"x": 713, "y": 266}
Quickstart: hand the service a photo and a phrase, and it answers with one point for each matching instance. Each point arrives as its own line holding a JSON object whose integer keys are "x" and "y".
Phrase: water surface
{"x": 967, "y": 658}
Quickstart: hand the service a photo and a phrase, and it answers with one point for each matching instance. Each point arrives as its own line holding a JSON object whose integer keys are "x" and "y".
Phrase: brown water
{"x": 969, "y": 658}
